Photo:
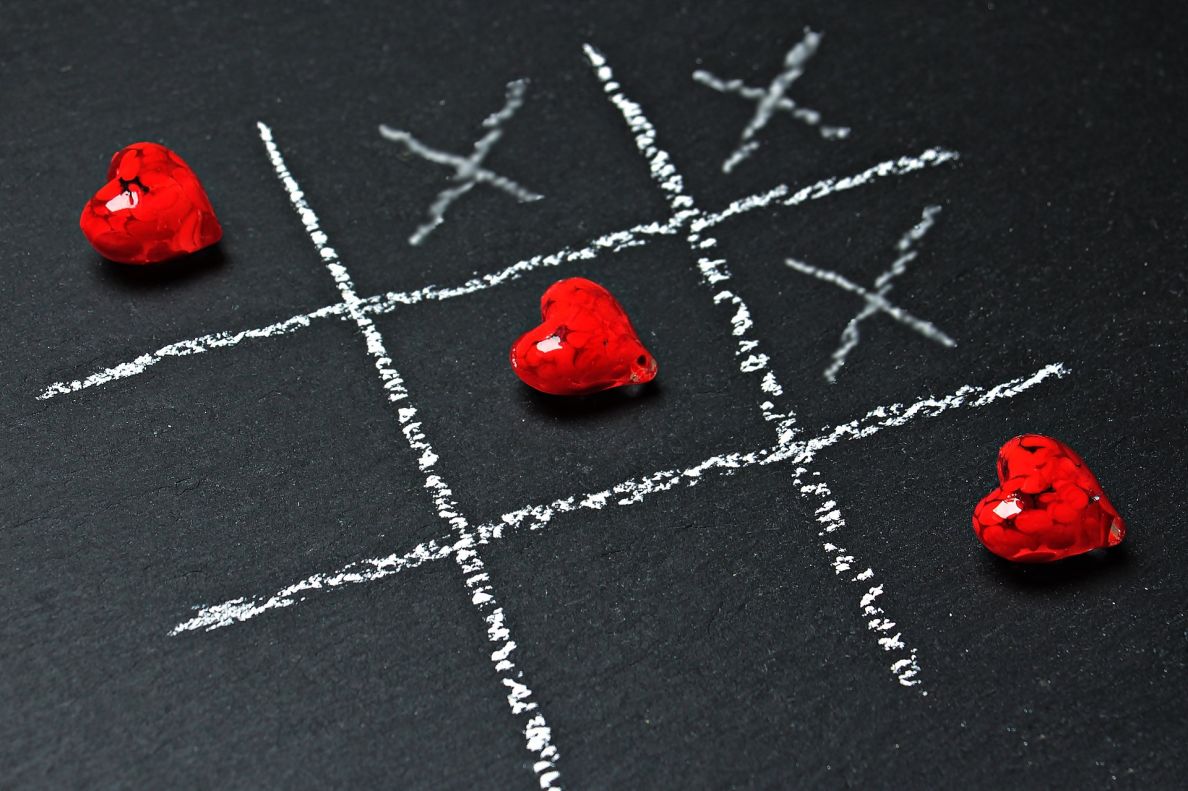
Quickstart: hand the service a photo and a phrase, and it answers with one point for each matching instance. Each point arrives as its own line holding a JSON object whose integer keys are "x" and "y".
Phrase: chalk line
{"x": 783, "y": 194}
{"x": 377, "y": 304}
{"x": 468, "y": 171}
{"x": 897, "y": 415}
{"x": 210, "y": 617}
{"x": 713, "y": 269}
{"x": 632, "y": 491}
{"x": 203, "y": 343}
{"x": 465, "y": 553}
{"x": 905, "y": 665}
{"x": 614, "y": 242}
{"x": 369, "y": 570}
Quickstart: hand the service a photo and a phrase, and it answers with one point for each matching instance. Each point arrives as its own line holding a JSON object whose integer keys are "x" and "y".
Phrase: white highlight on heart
{"x": 1008, "y": 508}
{"x": 549, "y": 344}
{"x": 128, "y": 199}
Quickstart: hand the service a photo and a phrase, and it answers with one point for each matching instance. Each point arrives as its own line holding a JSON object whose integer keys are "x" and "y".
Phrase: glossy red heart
{"x": 1048, "y": 504}
{"x": 584, "y": 343}
{"x": 152, "y": 208}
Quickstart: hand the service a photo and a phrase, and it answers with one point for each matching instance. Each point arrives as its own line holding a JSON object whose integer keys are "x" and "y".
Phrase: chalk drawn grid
{"x": 464, "y": 539}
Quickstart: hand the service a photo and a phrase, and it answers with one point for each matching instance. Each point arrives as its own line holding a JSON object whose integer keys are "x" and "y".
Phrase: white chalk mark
{"x": 883, "y": 283}
{"x": 238, "y": 610}
{"x": 613, "y": 242}
{"x": 808, "y": 116}
{"x": 905, "y": 667}
{"x": 664, "y": 173}
{"x": 468, "y": 171}
{"x": 203, "y": 343}
{"x": 630, "y": 492}
{"x": 784, "y": 195}
{"x": 772, "y": 99}
{"x": 377, "y": 304}
{"x": 896, "y": 415}
{"x": 877, "y": 302}
{"x": 463, "y": 542}
{"x": 713, "y": 271}
{"x": 465, "y": 553}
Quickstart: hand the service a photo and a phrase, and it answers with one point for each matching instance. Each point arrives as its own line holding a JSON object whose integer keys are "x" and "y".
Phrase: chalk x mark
{"x": 468, "y": 171}
{"x": 463, "y": 540}
{"x": 876, "y": 300}
{"x": 771, "y": 99}
{"x": 883, "y": 283}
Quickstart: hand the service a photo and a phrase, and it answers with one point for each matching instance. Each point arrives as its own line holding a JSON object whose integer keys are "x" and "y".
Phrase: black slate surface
{"x": 699, "y": 638}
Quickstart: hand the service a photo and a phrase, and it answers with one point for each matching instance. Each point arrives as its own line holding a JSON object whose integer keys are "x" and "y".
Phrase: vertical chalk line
{"x": 532, "y": 518}
{"x": 714, "y": 272}
{"x": 465, "y": 551}
{"x": 713, "y": 269}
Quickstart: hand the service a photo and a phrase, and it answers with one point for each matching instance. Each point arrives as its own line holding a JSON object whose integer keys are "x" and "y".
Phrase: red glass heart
{"x": 584, "y": 343}
{"x": 152, "y": 208}
{"x": 1048, "y": 505}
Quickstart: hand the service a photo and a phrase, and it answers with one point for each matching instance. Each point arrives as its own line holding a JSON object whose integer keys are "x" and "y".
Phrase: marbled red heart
{"x": 152, "y": 208}
{"x": 1048, "y": 504}
{"x": 584, "y": 343}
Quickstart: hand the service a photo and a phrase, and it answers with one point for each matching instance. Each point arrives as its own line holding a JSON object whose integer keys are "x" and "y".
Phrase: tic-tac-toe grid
{"x": 464, "y": 540}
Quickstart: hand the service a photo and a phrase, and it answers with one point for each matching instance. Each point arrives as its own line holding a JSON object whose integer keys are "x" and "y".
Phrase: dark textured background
{"x": 698, "y": 639}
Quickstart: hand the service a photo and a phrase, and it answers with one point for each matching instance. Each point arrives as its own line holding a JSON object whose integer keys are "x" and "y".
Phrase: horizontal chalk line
{"x": 614, "y": 242}
{"x": 634, "y": 490}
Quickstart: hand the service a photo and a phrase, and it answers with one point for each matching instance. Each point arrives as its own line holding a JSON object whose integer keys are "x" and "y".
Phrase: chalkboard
{"x": 279, "y": 515}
